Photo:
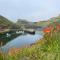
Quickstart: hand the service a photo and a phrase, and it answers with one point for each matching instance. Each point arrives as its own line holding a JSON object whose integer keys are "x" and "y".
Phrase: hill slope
{"x": 5, "y": 23}
{"x": 49, "y": 21}
{"x": 26, "y": 24}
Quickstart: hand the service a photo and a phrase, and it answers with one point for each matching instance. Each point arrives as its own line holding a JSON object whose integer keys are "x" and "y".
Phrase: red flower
{"x": 47, "y": 30}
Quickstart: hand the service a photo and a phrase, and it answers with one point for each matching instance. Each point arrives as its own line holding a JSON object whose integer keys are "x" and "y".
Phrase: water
{"x": 21, "y": 41}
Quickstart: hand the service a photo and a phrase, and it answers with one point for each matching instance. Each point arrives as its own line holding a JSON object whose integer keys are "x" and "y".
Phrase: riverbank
{"x": 5, "y": 39}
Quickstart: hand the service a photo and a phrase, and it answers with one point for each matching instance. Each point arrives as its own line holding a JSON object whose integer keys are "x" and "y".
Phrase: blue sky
{"x": 32, "y": 10}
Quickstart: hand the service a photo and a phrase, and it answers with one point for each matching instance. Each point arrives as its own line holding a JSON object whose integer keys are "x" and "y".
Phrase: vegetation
{"x": 25, "y": 24}
{"x": 4, "y": 39}
{"x": 48, "y": 48}
{"x": 6, "y": 24}
{"x": 42, "y": 23}
{"x": 47, "y": 22}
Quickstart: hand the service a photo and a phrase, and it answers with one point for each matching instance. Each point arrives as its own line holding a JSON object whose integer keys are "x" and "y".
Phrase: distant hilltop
{"x": 7, "y": 24}
{"x": 47, "y": 22}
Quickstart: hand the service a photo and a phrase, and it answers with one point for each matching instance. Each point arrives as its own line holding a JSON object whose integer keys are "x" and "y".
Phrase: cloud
{"x": 29, "y": 9}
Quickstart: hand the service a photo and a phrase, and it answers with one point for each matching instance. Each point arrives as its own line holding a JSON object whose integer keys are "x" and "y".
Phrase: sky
{"x": 31, "y": 10}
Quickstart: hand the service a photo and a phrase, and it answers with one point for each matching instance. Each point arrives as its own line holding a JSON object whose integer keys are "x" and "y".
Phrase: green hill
{"x": 25, "y": 24}
{"x": 57, "y": 19}
{"x": 42, "y": 23}
{"x": 6, "y": 23}
{"x": 49, "y": 21}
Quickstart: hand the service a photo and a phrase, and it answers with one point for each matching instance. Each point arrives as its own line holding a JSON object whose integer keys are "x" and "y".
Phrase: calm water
{"x": 22, "y": 40}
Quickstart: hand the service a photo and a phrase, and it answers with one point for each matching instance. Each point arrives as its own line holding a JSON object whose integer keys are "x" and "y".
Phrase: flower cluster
{"x": 51, "y": 28}
{"x": 46, "y": 30}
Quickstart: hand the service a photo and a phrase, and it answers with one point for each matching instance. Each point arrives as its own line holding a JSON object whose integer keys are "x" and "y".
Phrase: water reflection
{"x": 21, "y": 41}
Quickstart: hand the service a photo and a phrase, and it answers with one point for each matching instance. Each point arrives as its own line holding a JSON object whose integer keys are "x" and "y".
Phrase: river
{"x": 22, "y": 41}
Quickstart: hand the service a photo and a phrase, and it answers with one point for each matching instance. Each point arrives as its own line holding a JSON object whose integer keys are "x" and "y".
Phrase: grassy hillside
{"x": 49, "y": 21}
{"x": 42, "y": 23}
{"x": 25, "y": 24}
{"x": 55, "y": 19}
{"x": 5, "y": 23}
{"x": 22, "y": 22}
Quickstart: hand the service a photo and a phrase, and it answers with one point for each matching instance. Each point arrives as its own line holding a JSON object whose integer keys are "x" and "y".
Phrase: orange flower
{"x": 47, "y": 30}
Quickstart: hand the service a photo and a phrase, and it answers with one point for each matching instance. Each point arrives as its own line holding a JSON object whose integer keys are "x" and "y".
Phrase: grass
{"x": 48, "y": 48}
